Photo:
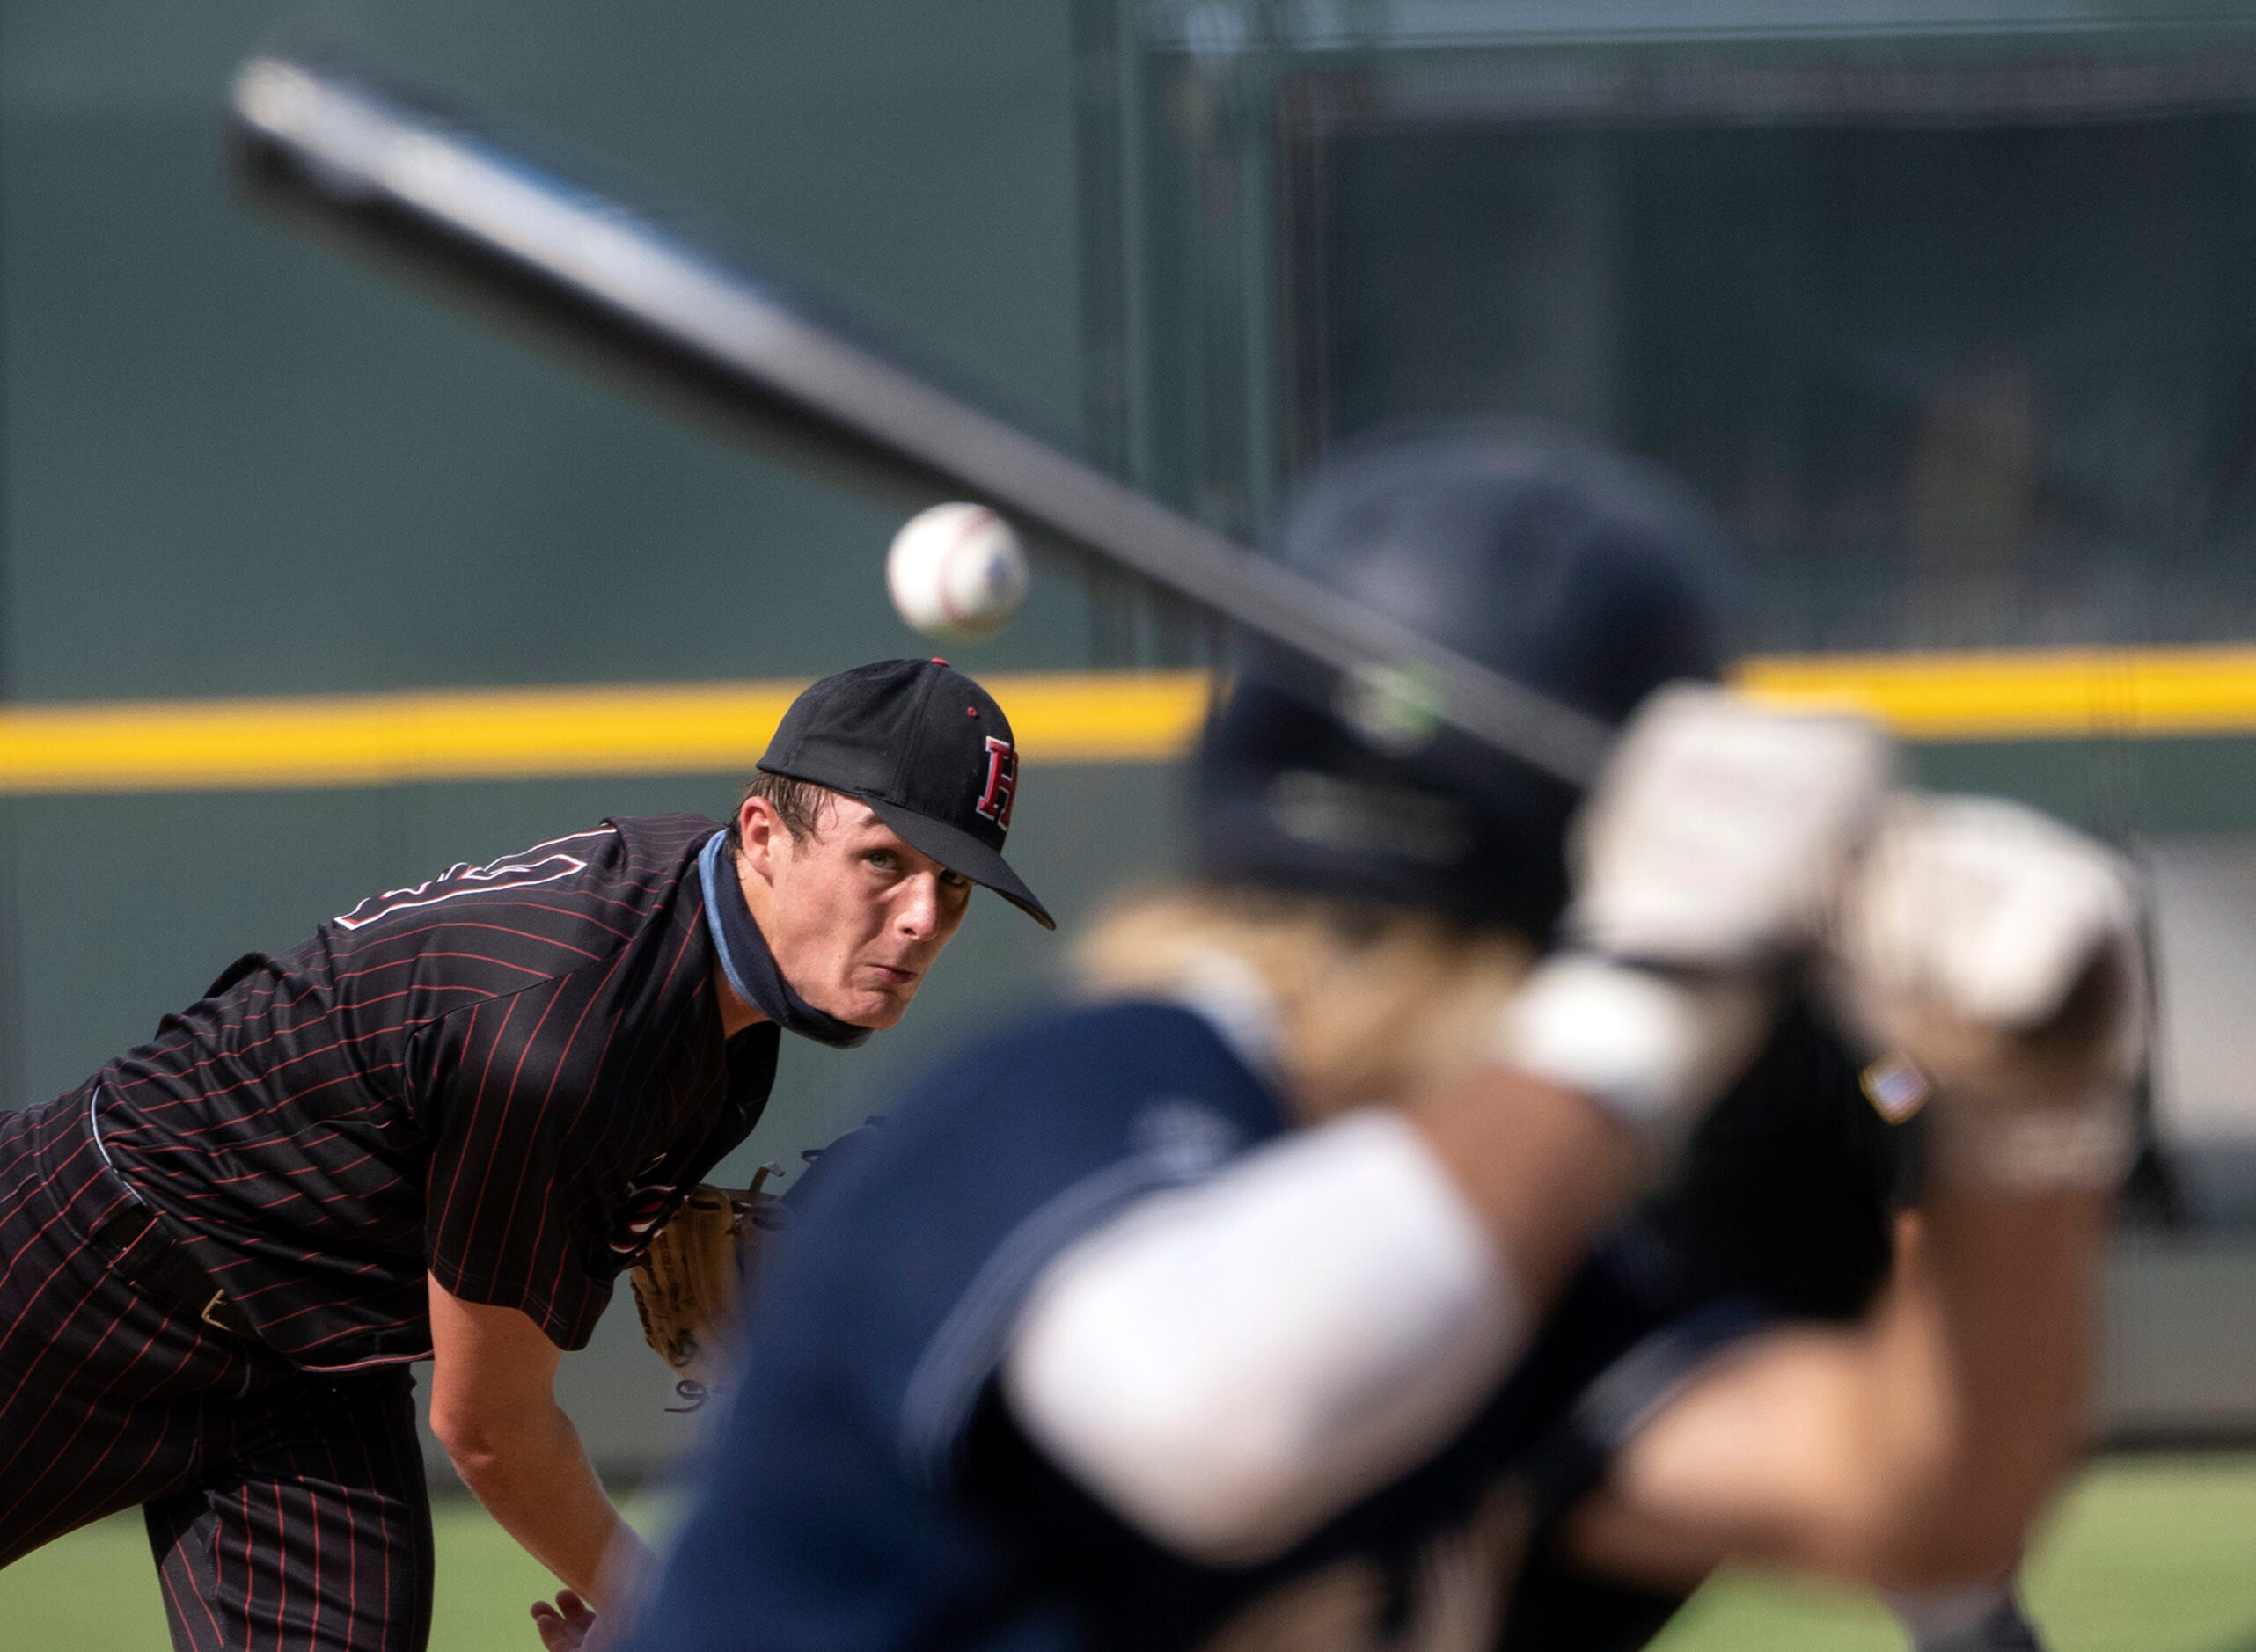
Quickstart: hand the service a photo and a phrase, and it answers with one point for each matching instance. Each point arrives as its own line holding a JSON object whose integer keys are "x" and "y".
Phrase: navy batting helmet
{"x": 1568, "y": 568}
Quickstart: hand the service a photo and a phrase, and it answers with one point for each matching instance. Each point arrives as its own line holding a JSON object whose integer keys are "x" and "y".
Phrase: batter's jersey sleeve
{"x": 935, "y": 1227}
{"x": 884, "y": 1308}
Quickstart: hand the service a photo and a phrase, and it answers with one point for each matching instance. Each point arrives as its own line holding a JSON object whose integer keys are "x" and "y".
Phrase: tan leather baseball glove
{"x": 689, "y": 1286}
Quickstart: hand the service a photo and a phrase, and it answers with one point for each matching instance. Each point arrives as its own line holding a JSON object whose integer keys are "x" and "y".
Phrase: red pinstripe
{"x": 580, "y": 914}
{"x": 27, "y": 1193}
{"x": 478, "y": 1105}
{"x": 38, "y": 1427}
{"x": 282, "y": 1599}
{"x": 251, "y": 1082}
{"x": 547, "y": 1099}
{"x": 187, "y": 1577}
{"x": 352, "y": 1553}
{"x": 94, "y": 1460}
{"x": 7, "y": 1275}
{"x": 524, "y": 1168}
{"x": 246, "y": 1609}
{"x": 108, "y": 1399}
{"x": 491, "y": 929}
{"x": 235, "y": 1052}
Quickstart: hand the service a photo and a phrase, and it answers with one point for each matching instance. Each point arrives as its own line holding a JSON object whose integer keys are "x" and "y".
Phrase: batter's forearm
{"x": 2014, "y": 1285}
{"x": 1545, "y": 1171}
{"x": 534, "y": 1477}
{"x": 1969, "y": 1403}
{"x": 1911, "y": 1452}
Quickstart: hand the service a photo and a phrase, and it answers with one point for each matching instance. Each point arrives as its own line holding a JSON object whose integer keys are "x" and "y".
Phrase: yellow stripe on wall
{"x": 519, "y": 734}
{"x": 2032, "y": 695}
{"x": 1066, "y": 717}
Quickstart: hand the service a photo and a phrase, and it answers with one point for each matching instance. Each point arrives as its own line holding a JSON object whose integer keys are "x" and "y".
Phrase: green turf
{"x": 2147, "y": 1554}
{"x": 96, "y": 1589}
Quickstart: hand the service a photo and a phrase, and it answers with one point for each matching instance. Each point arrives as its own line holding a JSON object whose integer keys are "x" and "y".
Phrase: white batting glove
{"x": 1714, "y": 843}
{"x": 1999, "y": 953}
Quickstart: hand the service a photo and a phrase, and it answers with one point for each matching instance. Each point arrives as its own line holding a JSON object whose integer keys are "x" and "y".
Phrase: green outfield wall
{"x": 236, "y": 472}
{"x": 234, "y": 468}
{"x": 232, "y": 465}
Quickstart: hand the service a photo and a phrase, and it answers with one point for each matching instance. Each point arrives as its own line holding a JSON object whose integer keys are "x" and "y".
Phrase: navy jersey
{"x": 870, "y": 1491}
{"x": 507, "y": 1077}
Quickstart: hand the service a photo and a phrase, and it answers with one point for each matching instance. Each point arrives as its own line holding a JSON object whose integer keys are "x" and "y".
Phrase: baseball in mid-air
{"x": 957, "y": 573}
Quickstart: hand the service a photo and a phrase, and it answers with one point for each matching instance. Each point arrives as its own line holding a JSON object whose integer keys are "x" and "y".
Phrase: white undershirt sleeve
{"x": 1228, "y": 1365}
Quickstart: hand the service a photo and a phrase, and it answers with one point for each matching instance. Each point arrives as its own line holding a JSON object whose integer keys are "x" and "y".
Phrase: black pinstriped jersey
{"x": 506, "y": 1076}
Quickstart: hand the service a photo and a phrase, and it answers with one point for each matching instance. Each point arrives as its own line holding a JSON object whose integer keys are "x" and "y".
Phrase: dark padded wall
{"x": 231, "y": 463}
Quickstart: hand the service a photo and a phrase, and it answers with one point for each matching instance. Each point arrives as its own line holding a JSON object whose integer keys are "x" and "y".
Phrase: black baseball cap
{"x": 927, "y": 750}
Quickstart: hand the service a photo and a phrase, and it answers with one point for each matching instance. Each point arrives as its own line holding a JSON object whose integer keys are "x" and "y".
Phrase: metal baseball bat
{"x": 403, "y": 172}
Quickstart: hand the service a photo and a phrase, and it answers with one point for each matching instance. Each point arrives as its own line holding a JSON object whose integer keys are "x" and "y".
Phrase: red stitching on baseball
{"x": 981, "y": 515}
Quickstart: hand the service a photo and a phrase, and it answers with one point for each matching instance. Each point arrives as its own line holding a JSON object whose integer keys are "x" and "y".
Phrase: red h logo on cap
{"x": 1002, "y": 783}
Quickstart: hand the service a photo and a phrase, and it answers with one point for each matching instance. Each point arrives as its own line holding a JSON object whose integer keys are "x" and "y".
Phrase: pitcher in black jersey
{"x": 437, "y": 1130}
